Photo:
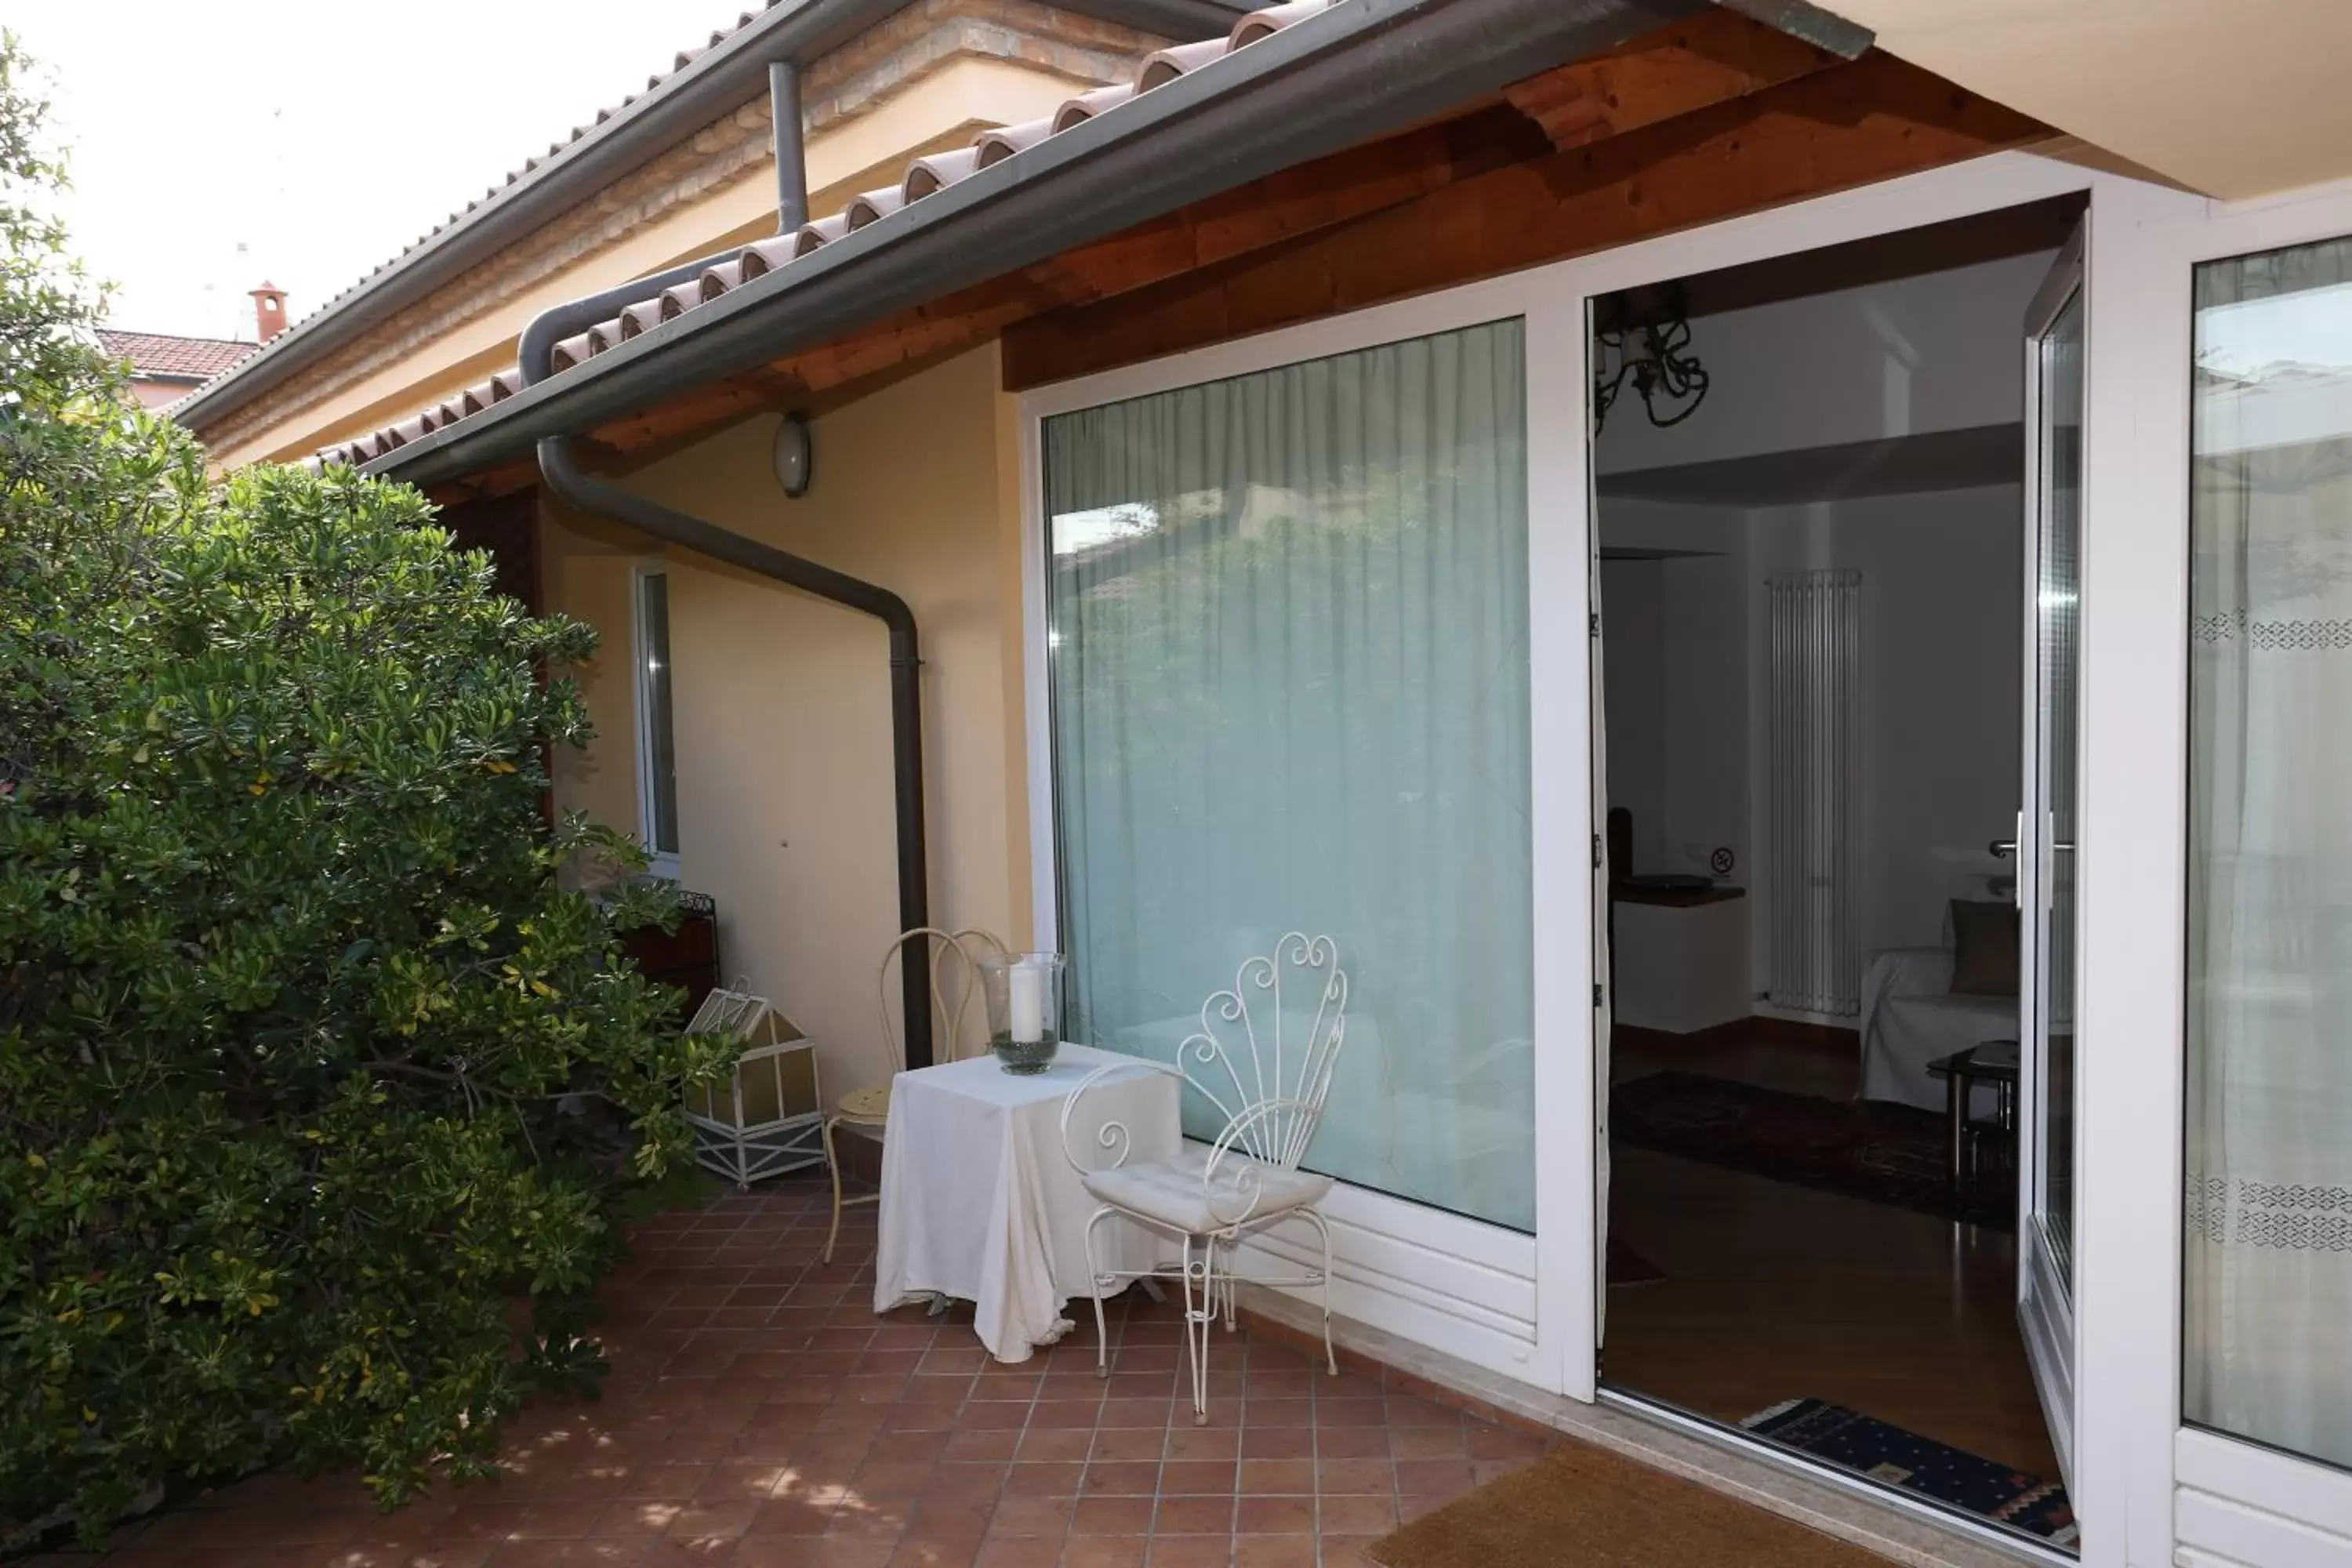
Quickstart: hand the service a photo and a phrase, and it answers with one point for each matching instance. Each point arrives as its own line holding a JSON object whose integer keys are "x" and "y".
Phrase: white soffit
{"x": 2232, "y": 98}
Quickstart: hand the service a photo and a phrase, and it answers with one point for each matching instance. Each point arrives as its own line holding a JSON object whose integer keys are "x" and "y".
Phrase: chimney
{"x": 268, "y": 311}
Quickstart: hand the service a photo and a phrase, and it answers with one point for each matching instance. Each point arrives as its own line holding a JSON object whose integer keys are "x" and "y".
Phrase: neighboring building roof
{"x": 701, "y": 85}
{"x": 924, "y": 177}
{"x": 165, "y": 357}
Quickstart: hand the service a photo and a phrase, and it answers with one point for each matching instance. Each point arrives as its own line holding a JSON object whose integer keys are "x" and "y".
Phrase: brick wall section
{"x": 879, "y": 63}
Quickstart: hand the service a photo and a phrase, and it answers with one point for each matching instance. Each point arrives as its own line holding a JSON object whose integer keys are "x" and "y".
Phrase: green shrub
{"x": 313, "y": 1075}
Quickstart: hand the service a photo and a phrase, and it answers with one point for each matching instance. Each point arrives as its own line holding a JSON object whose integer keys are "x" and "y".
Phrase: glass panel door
{"x": 2267, "y": 1256}
{"x": 2046, "y": 876}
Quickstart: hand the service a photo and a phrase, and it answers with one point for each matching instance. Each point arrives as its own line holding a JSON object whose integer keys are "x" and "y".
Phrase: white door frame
{"x": 2237, "y": 1502}
{"x": 2131, "y": 855}
{"x": 2046, "y": 1306}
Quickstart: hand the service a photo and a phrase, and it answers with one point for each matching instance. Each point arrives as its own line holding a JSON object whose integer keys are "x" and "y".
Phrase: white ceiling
{"x": 2232, "y": 98}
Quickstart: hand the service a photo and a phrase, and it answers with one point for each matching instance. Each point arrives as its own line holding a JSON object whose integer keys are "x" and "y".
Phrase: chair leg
{"x": 1329, "y": 1359}
{"x": 1199, "y": 1274}
{"x": 1094, "y": 1284}
{"x": 833, "y": 1163}
{"x": 1229, "y": 1278}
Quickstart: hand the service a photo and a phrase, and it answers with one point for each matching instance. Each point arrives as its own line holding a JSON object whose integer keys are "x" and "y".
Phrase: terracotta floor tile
{"x": 1193, "y": 1477}
{"x": 1104, "y": 1552}
{"x": 1193, "y": 1516}
{"x": 1033, "y": 1516}
{"x": 1274, "y": 1551}
{"x": 1050, "y": 1445}
{"x": 1111, "y": 1478}
{"x": 1276, "y": 1516}
{"x": 1019, "y": 1553}
{"x": 760, "y": 1415}
{"x": 1041, "y": 1480}
{"x": 1190, "y": 1552}
{"x": 1126, "y": 1515}
{"x": 1358, "y": 1475}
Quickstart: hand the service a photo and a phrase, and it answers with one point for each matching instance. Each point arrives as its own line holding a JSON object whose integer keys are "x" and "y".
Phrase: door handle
{"x": 2001, "y": 848}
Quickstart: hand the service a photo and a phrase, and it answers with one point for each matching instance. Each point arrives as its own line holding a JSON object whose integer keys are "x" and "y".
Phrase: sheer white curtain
{"x": 2268, "y": 1257}
{"x": 1289, "y": 677}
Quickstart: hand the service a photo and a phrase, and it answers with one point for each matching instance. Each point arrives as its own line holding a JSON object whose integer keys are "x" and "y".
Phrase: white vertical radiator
{"x": 1815, "y": 628}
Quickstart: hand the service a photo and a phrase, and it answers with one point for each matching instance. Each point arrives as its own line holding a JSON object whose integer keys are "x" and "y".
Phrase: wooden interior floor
{"x": 1775, "y": 1293}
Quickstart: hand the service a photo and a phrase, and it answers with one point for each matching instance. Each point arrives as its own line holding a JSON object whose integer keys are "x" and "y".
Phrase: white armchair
{"x": 1910, "y": 1016}
{"x": 1270, "y": 1091}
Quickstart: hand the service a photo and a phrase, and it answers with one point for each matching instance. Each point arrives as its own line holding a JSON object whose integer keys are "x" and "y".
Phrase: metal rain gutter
{"x": 1369, "y": 66}
{"x": 579, "y": 488}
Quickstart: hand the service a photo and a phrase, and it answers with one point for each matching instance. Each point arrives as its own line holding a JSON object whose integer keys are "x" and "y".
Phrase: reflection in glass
{"x": 654, "y": 718}
{"x": 2057, "y": 640}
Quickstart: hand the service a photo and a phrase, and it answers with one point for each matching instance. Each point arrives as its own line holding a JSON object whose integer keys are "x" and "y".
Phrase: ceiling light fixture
{"x": 1644, "y": 336}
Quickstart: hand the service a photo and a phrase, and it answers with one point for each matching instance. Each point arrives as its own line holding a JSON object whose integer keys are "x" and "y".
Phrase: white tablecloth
{"x": 978, "y": 1201}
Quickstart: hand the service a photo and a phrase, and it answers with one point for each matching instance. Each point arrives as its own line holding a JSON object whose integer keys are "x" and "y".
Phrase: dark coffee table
{"x": 1994, "y": 1062}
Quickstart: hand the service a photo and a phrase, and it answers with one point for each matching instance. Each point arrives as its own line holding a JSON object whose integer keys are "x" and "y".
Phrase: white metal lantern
{"x": 768, "y": 1116}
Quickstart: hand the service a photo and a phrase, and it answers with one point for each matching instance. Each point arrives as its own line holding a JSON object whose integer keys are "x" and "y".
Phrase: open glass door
{"x": 2045, "y": 861}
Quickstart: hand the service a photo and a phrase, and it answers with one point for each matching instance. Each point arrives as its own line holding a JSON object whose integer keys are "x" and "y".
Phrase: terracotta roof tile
{"x": 924, "y": 177}
{"x": 174, "y": 358}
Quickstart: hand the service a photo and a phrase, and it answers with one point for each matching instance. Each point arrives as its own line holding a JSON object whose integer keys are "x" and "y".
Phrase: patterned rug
{"x": 1867, "y": 1149}
{"x": 1922, "y": 1465}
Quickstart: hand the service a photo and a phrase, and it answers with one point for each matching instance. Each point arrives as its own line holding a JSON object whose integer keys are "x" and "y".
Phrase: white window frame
{"x": 1409, "y": 1269}
{"x": 661, "y": 863}
{"x": 2239, "y": 1501}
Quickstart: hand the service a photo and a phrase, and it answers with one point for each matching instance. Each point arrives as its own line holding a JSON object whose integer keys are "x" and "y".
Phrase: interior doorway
{"x": 1818, "y": 635}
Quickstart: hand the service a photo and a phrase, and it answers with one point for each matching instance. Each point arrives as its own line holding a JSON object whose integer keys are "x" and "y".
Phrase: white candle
{"x": 1028, "y": 1002}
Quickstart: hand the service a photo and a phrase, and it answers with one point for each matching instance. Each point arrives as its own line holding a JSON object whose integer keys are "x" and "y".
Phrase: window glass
{"x": 1289, "y": 678}
{"x": 2268, "y": 1253}
{"x": 657, "y": 765}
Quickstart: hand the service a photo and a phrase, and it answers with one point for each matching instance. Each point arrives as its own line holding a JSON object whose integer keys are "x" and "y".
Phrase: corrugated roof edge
{"x": 702, "y": 86}
{"x": 1468, "y": 51}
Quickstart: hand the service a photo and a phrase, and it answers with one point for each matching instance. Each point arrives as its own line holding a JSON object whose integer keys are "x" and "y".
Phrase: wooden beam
{"x": 1871, "y": 120}
{"x": 1713, "y": 56}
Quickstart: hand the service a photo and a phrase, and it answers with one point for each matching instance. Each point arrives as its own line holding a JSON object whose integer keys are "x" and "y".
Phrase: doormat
{"x": 1922, "y": 1465}
{"x": 1867, "y": 1149}
{"x": 1586, "y": 1507}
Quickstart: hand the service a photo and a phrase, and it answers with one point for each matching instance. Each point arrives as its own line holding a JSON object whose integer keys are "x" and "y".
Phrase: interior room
{"x": 1809, "y": 489}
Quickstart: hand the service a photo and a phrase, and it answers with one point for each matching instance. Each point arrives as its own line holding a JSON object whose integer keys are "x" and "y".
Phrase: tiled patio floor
{"x": 758, "y": 1415}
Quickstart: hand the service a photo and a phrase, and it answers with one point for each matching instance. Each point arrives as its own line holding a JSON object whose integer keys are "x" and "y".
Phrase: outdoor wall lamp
{"x": 794, "y": 455}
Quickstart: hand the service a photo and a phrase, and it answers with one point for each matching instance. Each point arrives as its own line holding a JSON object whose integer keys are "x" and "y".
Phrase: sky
{"x": 213, "y": 145}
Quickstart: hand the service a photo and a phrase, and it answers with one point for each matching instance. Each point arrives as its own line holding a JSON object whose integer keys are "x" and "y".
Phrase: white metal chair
{"x": 1269, "y": 1086}
{"x": 867, "y": 1110}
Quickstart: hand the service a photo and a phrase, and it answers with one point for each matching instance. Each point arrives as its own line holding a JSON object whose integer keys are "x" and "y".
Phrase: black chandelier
{"x": 1650, "y": 347}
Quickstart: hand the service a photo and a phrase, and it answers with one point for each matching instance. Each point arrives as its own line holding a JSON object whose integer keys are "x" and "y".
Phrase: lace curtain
{"x": 1289, "y": 677}
{"x": 2268, "y": 1250}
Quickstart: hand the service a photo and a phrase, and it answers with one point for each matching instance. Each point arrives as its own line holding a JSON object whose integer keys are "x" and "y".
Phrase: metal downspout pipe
{"x": 792, "y": 155}
{"x": 562, "y": 472}
{"x": 551, "y": 326}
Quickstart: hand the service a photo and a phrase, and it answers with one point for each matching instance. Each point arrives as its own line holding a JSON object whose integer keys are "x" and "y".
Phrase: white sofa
{"x": 1910, "y": 1018}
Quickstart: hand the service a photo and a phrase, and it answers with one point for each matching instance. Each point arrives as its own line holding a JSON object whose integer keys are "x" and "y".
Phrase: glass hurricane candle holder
{"x": 1024, "y": 1009}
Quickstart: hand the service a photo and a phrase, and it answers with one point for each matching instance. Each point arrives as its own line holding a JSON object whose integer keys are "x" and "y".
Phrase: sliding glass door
{"x": 2267, "y": 1253}
{"x": 1288, "y": 652}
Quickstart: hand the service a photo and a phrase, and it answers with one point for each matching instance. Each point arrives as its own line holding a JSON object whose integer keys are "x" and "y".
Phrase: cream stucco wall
{"x": 782, "y": 700}
{"x": 954, "y": 102}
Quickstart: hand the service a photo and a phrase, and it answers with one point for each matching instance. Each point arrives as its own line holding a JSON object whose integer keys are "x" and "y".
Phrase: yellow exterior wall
{"x": 782, "y": 700}
{"x": 947, "y": 109}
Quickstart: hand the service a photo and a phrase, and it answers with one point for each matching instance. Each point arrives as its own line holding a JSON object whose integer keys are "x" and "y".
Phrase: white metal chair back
{"x": 961, "y": 944}
{"x": 1264, "y": 1053}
